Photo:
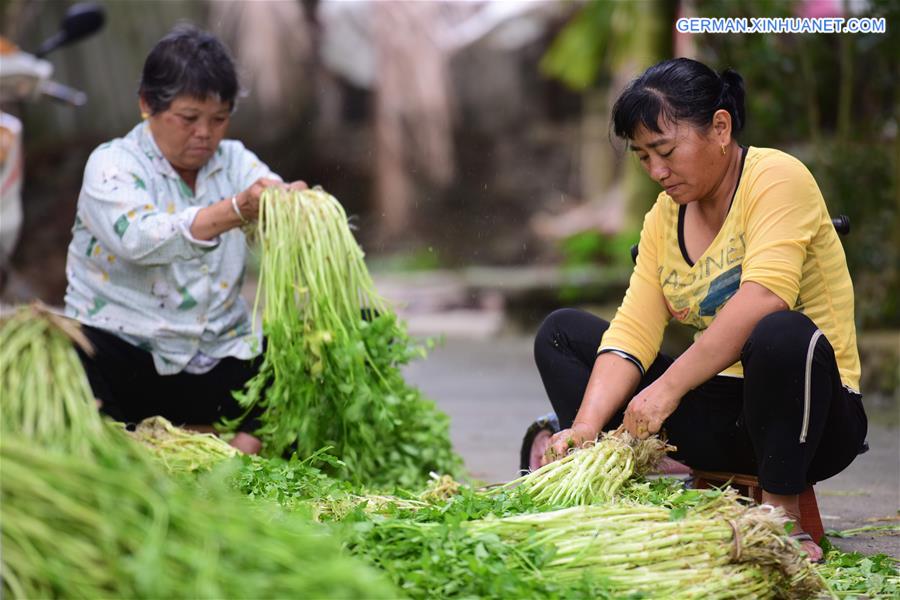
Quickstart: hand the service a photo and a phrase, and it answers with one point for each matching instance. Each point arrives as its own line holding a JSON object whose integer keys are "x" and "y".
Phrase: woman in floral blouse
{"x": 157, "y": 256}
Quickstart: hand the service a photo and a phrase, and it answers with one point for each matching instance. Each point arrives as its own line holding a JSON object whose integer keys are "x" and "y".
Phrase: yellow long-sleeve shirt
{"x": 777, "y": 233}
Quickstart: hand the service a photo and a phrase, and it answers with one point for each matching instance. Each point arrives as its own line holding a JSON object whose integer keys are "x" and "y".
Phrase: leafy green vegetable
{"x": 478, "y": 545}
{"x": 290, "y": 483}
{"x": 850, "y": 573}
{"x": 442, "y": 559}
{"x": 331, "y": 372}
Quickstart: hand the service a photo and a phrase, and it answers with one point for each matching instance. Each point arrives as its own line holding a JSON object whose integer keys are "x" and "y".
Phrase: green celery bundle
{"x": 331, "y": 372}
{"x": 716, "y": 550}
{"x": 83, "y": 529}
{"x": 46, "y": 397}
{"x": 594, "y": 473}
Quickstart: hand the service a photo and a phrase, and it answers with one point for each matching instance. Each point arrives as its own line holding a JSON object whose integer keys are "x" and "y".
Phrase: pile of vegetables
{"x": 88, "y": 512}
{"x": 478, "y": 545}
{"x": 331, "y": 372}
{"x": 853, "y": 575}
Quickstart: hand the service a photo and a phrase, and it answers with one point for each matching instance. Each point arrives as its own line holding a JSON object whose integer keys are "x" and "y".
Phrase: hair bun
{"x": 732, "y": 78}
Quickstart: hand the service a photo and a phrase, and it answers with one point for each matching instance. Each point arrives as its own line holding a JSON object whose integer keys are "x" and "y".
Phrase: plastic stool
{"x": 810, "y": 519}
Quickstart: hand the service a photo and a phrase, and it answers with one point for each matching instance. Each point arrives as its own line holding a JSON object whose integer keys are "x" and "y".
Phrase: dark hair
{"x": 188, "y": 61}
{"x": 679, "y": 90}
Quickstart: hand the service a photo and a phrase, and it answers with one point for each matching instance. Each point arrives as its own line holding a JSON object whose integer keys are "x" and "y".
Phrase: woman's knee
{"x": 779, "y": 338}
{"x": 567, "y": 328}
{"x": 564, "y": 322}
{"x": 557, "y": 321}
{"x": 547, "y": 336}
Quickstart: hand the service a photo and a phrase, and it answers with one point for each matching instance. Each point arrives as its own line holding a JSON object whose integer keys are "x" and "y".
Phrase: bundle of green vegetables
{"x": 79, "y": 528}
{"x": 593, "y": 473}
{"x": 707, "y": 545}
{"x": 46, "y": 395}
{"x": 717, "y": 550}
{"x": 331, "y": 372}
{"x": 180, "y": 450}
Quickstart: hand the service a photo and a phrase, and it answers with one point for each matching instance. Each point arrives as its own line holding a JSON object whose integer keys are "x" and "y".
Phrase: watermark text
{"x": 782, "y": 25}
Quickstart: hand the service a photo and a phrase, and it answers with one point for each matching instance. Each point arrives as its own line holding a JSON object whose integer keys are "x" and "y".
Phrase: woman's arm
{"x": 718, "y": 348}
{"x": 250, "y": 173}
{"x": 613, "y": 380}
{"x": 220, "y": 217}
{"x": 120, "y": 210}
{"x": 637, "y": 330}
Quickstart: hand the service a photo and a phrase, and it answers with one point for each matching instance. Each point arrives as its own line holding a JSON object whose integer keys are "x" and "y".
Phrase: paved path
{"x": 492, "y": 392}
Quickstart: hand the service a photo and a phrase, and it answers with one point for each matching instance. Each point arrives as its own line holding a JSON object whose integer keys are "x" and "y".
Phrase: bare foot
{"x": 246, "y": 443}
{"x": 813, "y": 551}
{"x": 670, "y": 466}
{"x": 791, "y": 505}
{"x": 538, "y": 447}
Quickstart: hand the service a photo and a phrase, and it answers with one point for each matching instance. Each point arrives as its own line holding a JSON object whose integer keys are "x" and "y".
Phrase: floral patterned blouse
{"x": 134, "y": 269}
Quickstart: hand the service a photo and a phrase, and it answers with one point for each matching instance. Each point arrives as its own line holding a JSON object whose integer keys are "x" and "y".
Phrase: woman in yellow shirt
{"x": 740, "y": 246}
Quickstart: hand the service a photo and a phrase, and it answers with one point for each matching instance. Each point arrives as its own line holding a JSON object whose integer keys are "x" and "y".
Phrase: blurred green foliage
{"x": 859, "y": 180}
{"x": 593, "y": 247}
{"x": 586, "y": 254}
{"x": 604, "y": 35}
{"x": 579, "y": 54}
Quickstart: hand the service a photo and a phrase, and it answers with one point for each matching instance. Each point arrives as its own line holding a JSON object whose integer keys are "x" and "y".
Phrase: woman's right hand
{"x": 248, "y": 200}
{"x": 565, "y": 440}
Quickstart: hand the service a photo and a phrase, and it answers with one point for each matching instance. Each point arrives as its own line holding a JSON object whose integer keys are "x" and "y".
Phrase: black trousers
{"x": 765, "y": 423}
{"x": 125, "y": 380}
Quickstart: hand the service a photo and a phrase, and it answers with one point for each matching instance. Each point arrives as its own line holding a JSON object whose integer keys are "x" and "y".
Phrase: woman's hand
{"x": 221, "y": 216}
{"x": 248, "y": 200}
{"x": 648, "y": 410}
{"x": 565, "y": 440}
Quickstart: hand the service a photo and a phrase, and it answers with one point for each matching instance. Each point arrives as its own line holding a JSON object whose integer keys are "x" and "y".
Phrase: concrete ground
{"x": 492, "y": 392}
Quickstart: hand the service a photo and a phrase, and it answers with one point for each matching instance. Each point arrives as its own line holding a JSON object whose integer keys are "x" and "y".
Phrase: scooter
{"x": 25, "y": 78}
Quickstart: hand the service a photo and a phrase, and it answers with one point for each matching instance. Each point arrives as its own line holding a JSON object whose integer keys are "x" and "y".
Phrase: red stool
{"x": 810, "y": 519}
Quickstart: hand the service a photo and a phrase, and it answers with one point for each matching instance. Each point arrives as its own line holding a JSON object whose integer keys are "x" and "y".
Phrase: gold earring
{"x": 145, "y": 115}
{"x": 723, "y": 149}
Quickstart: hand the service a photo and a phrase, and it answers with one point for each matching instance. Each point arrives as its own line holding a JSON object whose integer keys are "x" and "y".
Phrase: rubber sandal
{"x": 548, "y": 422}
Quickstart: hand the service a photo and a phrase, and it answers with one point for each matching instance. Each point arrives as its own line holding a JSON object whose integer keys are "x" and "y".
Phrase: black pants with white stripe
{"x": 790, "y": 421}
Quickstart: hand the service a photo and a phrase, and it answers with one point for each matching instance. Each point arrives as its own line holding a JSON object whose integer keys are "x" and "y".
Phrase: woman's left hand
{"x": 297, "y": 186}
{"x": 648, "y": 410}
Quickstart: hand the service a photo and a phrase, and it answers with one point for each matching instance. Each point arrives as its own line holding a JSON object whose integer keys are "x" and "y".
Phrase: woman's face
{"x": 189, "y": 131}
{"x": 687, "y": 163}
